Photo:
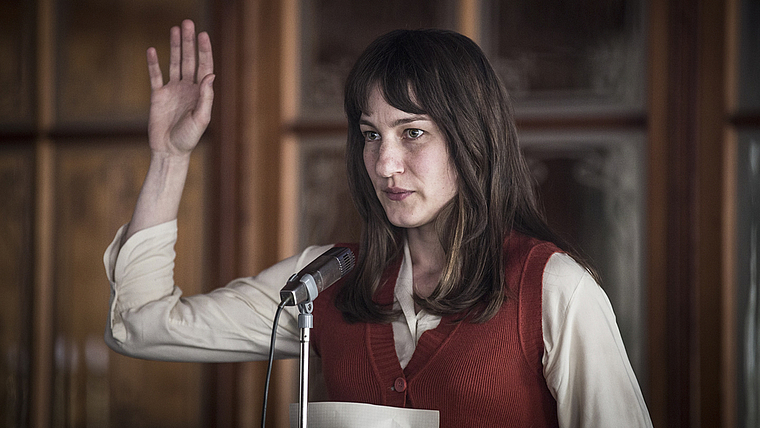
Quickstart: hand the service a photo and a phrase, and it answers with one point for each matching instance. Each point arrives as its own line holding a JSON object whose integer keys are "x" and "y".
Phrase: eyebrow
{"x": 401, "y": 121}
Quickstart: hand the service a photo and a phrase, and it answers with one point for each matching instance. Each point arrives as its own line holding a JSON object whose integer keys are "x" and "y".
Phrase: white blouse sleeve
{"x": 585, "y": 363}
{"x": 149, "y": 318}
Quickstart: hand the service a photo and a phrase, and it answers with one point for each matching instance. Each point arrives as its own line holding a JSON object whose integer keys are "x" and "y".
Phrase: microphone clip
{"x": 304, "y": 309}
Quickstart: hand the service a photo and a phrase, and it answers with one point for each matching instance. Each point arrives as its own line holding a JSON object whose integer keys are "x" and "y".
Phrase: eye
{"x": 414, "y": 133}
{"x": 371, "y": 136}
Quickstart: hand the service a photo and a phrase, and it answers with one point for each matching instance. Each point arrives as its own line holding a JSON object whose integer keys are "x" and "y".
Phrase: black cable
{"x": 280, "y": 307}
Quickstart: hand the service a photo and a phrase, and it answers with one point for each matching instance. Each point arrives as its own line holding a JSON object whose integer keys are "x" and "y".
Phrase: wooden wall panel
{"x": 102, "y": 74}
{"x": 326, "y": 211}
{"x": 327, "y": 54}
{"x": 16, "y": 210}
{"x": 17, "y": 65}
{"x": 568, "y": 58}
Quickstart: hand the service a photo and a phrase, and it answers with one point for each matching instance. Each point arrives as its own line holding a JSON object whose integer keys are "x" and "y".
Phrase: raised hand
{"x": 180, "y": 109}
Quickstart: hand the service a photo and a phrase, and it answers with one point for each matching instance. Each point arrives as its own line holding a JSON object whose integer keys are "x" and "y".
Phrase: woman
{"x": 463, "y": 301}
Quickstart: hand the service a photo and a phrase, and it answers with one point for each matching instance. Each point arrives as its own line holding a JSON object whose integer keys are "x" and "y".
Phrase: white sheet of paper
{"x": 331, "y": 414}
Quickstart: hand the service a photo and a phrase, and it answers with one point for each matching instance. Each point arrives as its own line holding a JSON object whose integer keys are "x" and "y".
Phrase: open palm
{"x": 180, "y": 109}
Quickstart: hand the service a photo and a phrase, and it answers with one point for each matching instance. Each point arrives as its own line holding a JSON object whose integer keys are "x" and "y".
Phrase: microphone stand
{"x": 304, "y": 287}
{"x": 305, "y": 323}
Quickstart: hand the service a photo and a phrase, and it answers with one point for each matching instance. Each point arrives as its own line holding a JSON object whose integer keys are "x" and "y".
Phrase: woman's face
{"x": 408, "y": 162}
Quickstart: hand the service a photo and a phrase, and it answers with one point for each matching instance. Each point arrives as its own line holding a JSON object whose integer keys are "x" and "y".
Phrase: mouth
{"x": 397, "y": 194}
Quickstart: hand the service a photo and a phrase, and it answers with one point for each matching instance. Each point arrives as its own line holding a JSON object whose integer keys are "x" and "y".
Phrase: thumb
{"x": 202, "y": 111}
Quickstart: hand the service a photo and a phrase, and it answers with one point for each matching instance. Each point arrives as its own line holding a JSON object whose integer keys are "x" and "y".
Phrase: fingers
{"x": 188, "y": 49}
{"x": 175, "y": 54}
{"x": 182, "y": 55}
{"x": 205, "y": 56}
{"x": 154, "y": 70}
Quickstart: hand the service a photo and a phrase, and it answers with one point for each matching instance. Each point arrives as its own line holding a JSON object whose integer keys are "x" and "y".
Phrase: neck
{"x": 428, "y": 259}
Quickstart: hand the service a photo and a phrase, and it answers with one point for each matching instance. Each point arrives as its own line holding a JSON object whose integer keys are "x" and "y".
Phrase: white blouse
{"x": 585, "y": 363}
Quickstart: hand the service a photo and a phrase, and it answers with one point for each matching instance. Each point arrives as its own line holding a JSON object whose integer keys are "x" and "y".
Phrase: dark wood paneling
{"x": 16, "y": 243}
{"x": 17, "y": 73}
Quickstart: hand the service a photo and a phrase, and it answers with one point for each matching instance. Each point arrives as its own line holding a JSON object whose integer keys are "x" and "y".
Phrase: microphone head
{"x": 329, "y": 267}
{"x": 324, "y": 271}
{"x": 345, "y": 260}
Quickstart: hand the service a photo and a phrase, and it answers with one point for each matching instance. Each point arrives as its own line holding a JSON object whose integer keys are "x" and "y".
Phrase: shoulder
{"x": 523, "y": 249}
{"x": 563, "y": 275}
{"x": 526, "y": 259}
{"x": 570, "y": 294}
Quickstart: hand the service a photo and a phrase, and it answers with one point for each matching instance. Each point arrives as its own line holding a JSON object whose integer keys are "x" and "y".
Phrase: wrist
{"x": 170, "y": 157}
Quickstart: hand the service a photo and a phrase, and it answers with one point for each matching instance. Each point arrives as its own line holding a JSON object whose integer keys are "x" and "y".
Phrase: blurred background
{"x": 640, "y": 119}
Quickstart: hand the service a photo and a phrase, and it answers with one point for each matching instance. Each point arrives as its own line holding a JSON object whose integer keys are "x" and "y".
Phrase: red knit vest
{"x": 475, "y": 375}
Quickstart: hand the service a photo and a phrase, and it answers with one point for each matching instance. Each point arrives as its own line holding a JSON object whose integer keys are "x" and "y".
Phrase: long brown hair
{"x": 446, "y": 76}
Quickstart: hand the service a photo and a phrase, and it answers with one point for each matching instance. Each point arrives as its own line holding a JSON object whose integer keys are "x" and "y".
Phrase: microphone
{"x": 324, "y": 271}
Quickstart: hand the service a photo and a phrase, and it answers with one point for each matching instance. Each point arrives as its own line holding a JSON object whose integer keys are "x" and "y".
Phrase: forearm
{"x": 218, "y": 327}
{"x": 159, "y": 198}
{"x": 150, "y": 318}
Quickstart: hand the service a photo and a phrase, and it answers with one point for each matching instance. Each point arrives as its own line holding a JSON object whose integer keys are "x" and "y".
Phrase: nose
{"x": 389, "y": 159}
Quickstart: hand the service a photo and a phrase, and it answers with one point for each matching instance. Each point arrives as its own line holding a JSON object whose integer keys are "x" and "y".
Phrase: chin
{"x": 400, "y": 223}
{"x": 407, "y": 223}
